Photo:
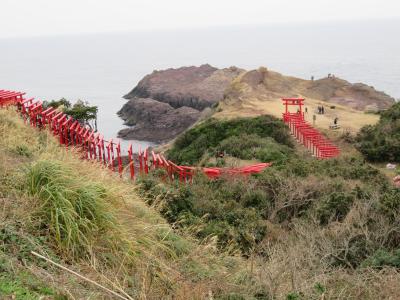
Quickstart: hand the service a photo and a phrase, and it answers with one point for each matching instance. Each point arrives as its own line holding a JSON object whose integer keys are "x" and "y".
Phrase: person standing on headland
{"x": 335, "y": 120}
{"x": 322, "y": 110}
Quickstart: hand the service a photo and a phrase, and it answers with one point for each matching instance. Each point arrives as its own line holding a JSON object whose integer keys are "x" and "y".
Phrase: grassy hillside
{"x": 313, "y": 229}
{"x": 91, "y": 221}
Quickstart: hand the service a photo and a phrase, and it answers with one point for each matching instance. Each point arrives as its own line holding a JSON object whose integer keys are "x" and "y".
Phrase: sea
{"x": 101, "y": 68}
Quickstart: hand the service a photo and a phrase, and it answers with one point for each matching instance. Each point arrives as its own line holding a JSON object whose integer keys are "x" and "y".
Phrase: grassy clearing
{"x": 90, "y": 220}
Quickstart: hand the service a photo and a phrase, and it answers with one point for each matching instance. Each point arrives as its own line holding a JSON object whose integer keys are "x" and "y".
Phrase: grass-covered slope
{"x": 381, "y": 142}
{"x": 93, "y": 222}
{"x": 313, "y": 229}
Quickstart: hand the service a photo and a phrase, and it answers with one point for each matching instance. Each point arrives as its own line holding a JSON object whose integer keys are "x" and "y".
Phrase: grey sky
{"x": 52, "y": 17}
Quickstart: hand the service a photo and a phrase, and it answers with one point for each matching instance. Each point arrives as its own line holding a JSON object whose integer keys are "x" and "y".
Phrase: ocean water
{"x": 101, "y": 68}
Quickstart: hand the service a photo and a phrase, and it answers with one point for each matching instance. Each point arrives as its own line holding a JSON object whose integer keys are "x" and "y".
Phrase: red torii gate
{"x": 310, "y": 137}
{"x": 299, "y": 102}
{"x": 10, "y": 97}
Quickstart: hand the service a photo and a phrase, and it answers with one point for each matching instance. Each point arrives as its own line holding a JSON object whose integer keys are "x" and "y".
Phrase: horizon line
{"x": 207, "y": 27}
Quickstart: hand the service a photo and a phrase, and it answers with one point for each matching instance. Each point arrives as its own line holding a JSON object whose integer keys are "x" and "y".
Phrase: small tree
{"x": 81, "y": 111}
{"x": 84, "y": 113}
{"x": 57, "y": 103}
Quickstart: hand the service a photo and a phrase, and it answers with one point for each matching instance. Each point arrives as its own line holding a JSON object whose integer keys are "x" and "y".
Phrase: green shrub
{"x": 349, "y": 168}
{"x": 293, "y": 296}
{"x": 381, "y": 142}
{"x": 252, "y": 146}
{"x": 334, "y": 206}
{"x": 390, "y": 203}
{"x": 382, "y": 258}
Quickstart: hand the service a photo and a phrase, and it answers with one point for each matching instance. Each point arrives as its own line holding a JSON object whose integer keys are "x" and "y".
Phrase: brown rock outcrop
{"x": 196, "y": 87}
{"x": 165, "y": 103}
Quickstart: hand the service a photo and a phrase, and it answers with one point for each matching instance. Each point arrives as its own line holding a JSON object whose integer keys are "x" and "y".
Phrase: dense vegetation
{"x": 381, "y": 142}
{"x": 237, "y": 211}
{"x": 264, "y": 138}
{"x": 302, "y": 219}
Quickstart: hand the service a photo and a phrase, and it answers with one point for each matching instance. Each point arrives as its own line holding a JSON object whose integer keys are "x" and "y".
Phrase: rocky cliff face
{"x": 155, "y": 121}
{"x": 165, "y": 103}
{"x": 196, "y": 87}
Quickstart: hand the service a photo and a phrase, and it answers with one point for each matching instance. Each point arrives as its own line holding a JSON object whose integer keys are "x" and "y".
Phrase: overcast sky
{"x": 53, "y": 17}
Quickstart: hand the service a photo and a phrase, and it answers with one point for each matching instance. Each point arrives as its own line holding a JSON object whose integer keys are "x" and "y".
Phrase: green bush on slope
{"x": 259, "y": 134}
{"x": 381, "y": 142}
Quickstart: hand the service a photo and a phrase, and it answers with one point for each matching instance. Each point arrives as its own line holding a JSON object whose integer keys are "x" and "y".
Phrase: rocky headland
{"x": 165, "y": 103}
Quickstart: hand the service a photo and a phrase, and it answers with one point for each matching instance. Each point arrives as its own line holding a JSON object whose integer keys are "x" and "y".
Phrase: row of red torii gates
{"x": 93, "y": 146}
{"x": 306, "y": 134}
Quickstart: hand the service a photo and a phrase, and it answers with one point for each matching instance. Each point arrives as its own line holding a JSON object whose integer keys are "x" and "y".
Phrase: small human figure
{"x": 329, "y": 75}
{"x": 312, "y": 78}
{"x": 335, "y": 121}
{"x": 306, "y": 110}
{"x": 322, "y": 110}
